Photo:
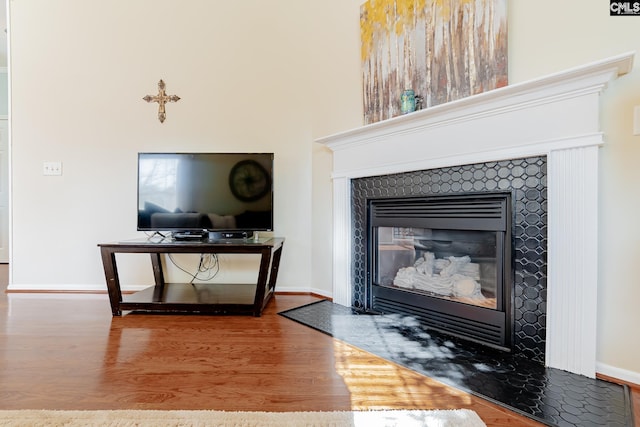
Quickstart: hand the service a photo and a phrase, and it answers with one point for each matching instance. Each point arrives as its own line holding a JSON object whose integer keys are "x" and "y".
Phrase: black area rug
{"x": 550, "y": 396}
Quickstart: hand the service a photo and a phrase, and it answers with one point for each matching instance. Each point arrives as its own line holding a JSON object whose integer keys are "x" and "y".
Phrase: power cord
{"x": 208, "y": 265}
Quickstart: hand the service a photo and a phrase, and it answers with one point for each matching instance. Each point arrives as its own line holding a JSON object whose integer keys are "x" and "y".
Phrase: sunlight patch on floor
{"x": 370, "y": 382}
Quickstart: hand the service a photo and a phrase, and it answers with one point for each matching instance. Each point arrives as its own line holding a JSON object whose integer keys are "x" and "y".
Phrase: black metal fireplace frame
{"x": 473, "y": 211}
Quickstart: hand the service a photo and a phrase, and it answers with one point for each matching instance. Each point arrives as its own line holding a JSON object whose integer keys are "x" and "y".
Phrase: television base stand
{"x": 215, "y": 298}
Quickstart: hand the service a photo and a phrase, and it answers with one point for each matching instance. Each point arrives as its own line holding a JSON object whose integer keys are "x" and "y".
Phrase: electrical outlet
{"x": 52, "y": 168}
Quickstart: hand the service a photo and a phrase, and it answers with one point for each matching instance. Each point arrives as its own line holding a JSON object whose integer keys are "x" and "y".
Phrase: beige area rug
{"x": 144, "y": 418}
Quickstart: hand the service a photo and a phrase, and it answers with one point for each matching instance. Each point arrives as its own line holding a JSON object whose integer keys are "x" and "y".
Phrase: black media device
{"x": 205, "y": 195}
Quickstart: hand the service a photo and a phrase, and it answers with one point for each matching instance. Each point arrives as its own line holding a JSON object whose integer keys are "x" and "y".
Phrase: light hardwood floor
{"x": 65, "y": 351}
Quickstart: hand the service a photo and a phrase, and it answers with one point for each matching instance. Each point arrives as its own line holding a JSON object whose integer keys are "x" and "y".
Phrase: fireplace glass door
{"x": 456, "y": 265}
{"x": 445, "y": 260}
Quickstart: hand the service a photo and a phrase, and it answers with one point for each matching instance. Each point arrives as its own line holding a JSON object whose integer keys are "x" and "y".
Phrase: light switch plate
{"x": 52, "y": 168}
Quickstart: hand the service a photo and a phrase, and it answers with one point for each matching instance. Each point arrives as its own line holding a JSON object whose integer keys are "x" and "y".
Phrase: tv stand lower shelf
{"x": 200, "y": 298}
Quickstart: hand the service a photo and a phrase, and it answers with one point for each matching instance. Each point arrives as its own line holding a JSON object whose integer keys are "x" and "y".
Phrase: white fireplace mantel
{"x": 557, "y": 116}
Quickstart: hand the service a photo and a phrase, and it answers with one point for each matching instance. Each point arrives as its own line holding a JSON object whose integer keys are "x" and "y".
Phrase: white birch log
{"x": 454, "y": 276}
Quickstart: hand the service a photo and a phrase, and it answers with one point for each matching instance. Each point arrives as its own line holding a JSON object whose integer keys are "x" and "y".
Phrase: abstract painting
{"x": 443, "y": 50}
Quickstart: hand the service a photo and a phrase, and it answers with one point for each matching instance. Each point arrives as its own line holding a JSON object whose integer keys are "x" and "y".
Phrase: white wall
{"x": 80, "y": 69}
{"x": 545, "y": 36}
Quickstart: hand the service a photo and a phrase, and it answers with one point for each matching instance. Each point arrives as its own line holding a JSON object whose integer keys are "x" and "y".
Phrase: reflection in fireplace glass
{"x": 457, "y": 265}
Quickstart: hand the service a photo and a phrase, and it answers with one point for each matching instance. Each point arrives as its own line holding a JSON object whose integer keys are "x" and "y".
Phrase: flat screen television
{"x": 191, "y": 194}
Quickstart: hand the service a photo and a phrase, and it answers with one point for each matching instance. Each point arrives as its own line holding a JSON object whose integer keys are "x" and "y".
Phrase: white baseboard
{"x": 69, "y": 288}
{"x": 40, "y": 287}
{"x": 297, "y": 290}
{"x": 321, "y": 292}
{"x": 618, "y": 373}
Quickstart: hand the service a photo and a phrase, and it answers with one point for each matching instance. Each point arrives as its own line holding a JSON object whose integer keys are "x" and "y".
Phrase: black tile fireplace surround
{"x": 525, "y": 179}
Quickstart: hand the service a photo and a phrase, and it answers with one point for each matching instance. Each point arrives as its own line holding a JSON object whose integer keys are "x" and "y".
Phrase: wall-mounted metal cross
{"x": 161, "y": 98}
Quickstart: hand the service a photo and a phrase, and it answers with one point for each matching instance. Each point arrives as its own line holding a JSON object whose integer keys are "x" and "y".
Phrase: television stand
{"x": 200, "y": 298}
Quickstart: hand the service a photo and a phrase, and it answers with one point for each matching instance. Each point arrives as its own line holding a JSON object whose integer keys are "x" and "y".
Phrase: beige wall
{"x": 80, "y": 69}
{"x": 262, "y": 76}
{"x": 545, "y": 37}
{"x": 336, "y": 88}
{"x": 548, "y": 36}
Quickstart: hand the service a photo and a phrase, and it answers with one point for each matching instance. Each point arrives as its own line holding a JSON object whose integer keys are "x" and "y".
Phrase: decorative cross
{"x": 161, "y": 98}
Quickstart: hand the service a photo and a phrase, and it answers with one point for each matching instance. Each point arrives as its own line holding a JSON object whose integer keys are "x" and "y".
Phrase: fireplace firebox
{"x": 445, "y": 260}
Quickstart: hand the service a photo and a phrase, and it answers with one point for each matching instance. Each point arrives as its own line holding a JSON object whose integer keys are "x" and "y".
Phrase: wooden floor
{"x": 65, "y": 351}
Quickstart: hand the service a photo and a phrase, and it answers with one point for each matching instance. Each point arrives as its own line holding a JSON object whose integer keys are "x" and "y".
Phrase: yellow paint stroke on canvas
{"x": 378, "y": 18}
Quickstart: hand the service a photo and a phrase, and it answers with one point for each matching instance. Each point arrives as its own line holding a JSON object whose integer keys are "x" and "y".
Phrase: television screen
{"x": 205, "y": 192}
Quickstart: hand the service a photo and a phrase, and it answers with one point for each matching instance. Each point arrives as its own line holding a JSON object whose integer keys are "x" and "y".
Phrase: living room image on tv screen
{"x": 205, "y": 191}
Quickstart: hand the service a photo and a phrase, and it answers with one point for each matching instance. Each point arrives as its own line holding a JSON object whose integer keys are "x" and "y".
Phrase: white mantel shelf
{"x": 486, "y": 111}
{"x": 557, "y": 116}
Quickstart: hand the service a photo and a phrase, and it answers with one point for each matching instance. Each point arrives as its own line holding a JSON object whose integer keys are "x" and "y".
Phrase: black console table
{"x": 204, "y": 298}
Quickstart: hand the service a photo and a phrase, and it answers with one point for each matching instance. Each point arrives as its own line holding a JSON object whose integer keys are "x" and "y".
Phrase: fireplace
{"x": 505, "y": 201}
{"x": 555, "y": 117}
{"x": 445, "y": 260}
